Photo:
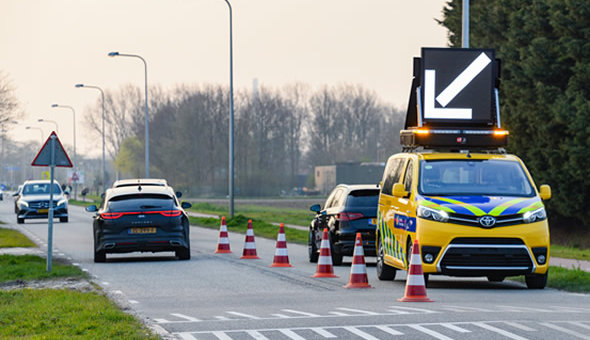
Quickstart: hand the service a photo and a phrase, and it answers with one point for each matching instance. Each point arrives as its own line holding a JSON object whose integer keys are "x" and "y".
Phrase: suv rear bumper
{"x": 345, "y": 242}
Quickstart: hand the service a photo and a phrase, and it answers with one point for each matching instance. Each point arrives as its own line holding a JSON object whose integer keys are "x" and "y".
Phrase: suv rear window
{"x": 141, "y": 202}
{"x": 363, "y": 198}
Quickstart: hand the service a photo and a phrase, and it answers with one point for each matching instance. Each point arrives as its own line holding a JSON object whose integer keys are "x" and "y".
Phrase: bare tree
{"x": 8, "y": 102}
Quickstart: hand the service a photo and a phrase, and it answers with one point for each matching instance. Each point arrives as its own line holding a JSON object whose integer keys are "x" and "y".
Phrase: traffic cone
{"x": 358, "y": 269}
{"x": 415, "y": 285}
{"x": 250, "y": 245}
{"x": 223, "y": 243}
{"x": 325, "y": 267}
{"x": 281, "y": 256}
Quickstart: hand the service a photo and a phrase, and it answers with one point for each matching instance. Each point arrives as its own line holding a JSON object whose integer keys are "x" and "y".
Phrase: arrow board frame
{"x": 458, "y": 87}
{"x": 43, "y": 158}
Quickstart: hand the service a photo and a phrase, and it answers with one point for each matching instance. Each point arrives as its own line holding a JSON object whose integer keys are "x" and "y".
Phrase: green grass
{"x": 300, "y": 217}
{"x": 570, "y": 252}
{"x": 65, "y": 314}
{"x": 90, "y": 199}
{"x": 13, "y": 238}
{"x": 30, "y": 267}
{"x": 239, "y": 223}
{"x": 571, "y": 280}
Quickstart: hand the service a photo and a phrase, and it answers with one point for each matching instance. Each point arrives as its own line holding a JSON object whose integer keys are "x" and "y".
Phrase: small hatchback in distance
{"x": 140, "y": 219}
{"x": 349, "y": 209}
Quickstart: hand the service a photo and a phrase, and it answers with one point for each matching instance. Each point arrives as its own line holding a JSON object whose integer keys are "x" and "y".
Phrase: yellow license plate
{"x": 43, "y": 211}
{"x": 374, "y": 221}
{"x": 149, "y": 230}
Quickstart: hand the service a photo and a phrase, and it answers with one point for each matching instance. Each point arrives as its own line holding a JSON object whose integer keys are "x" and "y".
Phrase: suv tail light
{"x": 115, "y": 215}
{"x": 349, "y": 216}
{"x": 169, "y": 213}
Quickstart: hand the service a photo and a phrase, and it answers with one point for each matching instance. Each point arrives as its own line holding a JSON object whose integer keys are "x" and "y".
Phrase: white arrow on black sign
{"x": 448, "y": 94}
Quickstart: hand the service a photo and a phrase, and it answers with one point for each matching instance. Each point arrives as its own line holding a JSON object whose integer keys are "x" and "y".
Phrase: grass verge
{"x": 570, "y": 252}
{"x": 270, "y": 214}
{"x": 571, "y": 280}
{"x": 12, "y": 238}
{"x": 239, "y": 223}
{"x": 65, "y": 314}
{"x": 30, "y": 267}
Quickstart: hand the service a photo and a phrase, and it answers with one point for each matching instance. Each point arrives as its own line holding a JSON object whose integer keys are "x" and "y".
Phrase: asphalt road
{"x": 220, "y": 296}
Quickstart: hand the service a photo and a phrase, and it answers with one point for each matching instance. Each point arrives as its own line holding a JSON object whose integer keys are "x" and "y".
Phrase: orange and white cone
{"x": 325, "y": 267}
{"x": 415, "y": 285}
{"x": 223, "y": 243}
{"x": 250, "y": 244}
{"x": 358, "y": 269}
{"x": 281, "y": 255}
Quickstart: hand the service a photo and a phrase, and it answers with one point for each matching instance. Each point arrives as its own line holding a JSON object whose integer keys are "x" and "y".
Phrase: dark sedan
{"x": 140, "y": 219}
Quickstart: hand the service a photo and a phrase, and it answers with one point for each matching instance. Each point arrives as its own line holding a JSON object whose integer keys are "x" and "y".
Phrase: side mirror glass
{"x": 545, "y": 192}
{"x": 399, "y": 190}
{"x": 178, "y": 194}
{"x": 315, "y": 208}
{"x": 91, "y": 208}
{"x": 185, "y": 205}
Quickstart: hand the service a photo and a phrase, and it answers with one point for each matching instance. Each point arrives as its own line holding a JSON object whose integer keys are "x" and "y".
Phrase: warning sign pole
{"x": 50, "y": 225}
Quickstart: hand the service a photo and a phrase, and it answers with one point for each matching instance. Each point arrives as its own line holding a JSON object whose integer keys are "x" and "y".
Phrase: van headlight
{"x": 534, "y": 216}
{"x": 432, "y": 214}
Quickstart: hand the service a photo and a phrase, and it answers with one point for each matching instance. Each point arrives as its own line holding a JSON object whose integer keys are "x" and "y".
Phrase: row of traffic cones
{"x": 415, "y": 285}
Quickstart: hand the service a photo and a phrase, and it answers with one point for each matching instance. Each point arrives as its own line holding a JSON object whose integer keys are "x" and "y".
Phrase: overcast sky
{"x": 48, "y": 46}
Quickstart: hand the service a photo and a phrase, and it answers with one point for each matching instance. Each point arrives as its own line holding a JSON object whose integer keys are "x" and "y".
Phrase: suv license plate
{"x": 43, "y": 211}
{"x": 149, "y": 230}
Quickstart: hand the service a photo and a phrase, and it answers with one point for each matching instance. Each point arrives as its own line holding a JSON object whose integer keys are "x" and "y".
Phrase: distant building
{"x": 328, "y": 176}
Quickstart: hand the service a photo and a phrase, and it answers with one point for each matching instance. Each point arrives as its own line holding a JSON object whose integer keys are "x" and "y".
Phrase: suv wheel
{"x": 63, "y": 219}
{"x": 184, "y": 253}
{"x": 336, "y": 254}
{"x": 536, "y": 281}
{"x": 312, "y": 248}
{"x": 384, "y": 272}
{"x": 20, "y": 220}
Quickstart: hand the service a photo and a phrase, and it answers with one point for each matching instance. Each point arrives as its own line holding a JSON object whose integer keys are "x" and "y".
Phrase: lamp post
{"x": 75, "y": 160}
{"x": 231, "y": 114}
{"x": 41, "y": 120}
{"x": 147, "y": 134}
{"x": 104, "y": 171}
{"x": 37, "y": 128}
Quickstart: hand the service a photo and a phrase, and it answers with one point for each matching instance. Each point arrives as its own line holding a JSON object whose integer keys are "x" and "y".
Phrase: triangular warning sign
{"x": 43, "y": 158}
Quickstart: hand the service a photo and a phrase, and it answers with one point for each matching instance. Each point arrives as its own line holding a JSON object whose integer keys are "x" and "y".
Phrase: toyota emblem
{"x": 487, "y": 221}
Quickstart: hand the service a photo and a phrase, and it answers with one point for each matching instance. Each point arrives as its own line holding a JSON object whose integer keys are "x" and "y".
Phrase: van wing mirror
{"x": 399, "y": 190}
{"x": 185, "y": 205}
{"x": 545, "y": 192}
{"x": 315, "y": 208}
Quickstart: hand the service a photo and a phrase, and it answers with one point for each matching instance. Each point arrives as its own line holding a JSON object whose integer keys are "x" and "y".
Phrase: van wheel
{"x": 409, "y": 248}
{"x": 536, "y": 281}
{"x": 312, "y": 248}
{"x": 384, "y": 272}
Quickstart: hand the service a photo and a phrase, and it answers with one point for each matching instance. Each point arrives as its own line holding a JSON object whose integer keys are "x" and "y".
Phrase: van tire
{"x": 312, "y": 249}
{"x": 384, "y": 272}
{"x": 536, "y": 281}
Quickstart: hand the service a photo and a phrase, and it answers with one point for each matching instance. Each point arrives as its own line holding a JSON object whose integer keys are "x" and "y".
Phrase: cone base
{"x": 249, "y": 257}
{"x": 358, "y": 285}
{"x": 324, "y": 275}
{"x": 415, "y": 299}
{"x": 281, "y": 265}
{"x": 223, "y": 251}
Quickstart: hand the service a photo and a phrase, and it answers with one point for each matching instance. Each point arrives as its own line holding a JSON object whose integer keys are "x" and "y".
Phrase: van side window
{"x": 393, "y": 173}
{"x": 409, "y": 176}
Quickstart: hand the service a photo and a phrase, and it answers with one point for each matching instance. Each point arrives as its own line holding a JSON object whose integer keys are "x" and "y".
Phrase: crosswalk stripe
{"x": 256, "y": 335}
{"x": 455, "y": 328}
{"x": 565, "y": 330}
{"x": 430, "y": 332}
{"x": 221, "y": 336}
{"x": 389, "y": 330}
{"x": 360, "y": 333}
{"x": 580, "y": 324}
{"x": 499, "y": 331}
{"x": 323, "y": 332}
{"x": 519, "y": 326}
{"x": 299, "y": 312}
{"x": 253, "y": 317}
{"x": 292, "y": 335}
{"x": 186, "y": 317}
{"x": 357, "y": 311}
{"x": 186, "y": 336}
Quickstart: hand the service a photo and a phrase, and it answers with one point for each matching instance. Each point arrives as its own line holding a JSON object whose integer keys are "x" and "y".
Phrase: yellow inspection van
{"x": 474, "y": 209}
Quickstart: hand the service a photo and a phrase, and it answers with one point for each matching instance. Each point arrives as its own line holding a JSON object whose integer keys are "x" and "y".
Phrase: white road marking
{"x": 300, "y": 313}
{"x": 161, "y": 321}
{"x": 580, "y": 324}
{"x": 282, "y": 316}
{"x": 339, "y": 314}
{"x": 118, "y": 292}
{"x": 465, "y": 309}
{"x": 244, "y": 315}
{"x": 523, "y": 309}
{"x": 323, "y": 332}
{"x": 519, "y": 326}
{"x": 389, "y": 330}
{"x": 188, "y": 318}
{"x": 427, "y": 311}
{"x": 499, "y": 331}
{"x": 221, "y": 336}
{"x": 133, "y": 302}
{"x": 565, "y": 330}
{"x": 106, "y": 283}
{"x": 430, "y": 332}
{"x": 76, "y": 264}
{"x": 223, "y": 318}
{"x": 455, "y": 328}
{"x": 360, "y": 311}
{"x": 360, "y": 333}
{"x": 186, "y": 336}
{"x": 291, "y": 334}
{"x": 256, "y": 335}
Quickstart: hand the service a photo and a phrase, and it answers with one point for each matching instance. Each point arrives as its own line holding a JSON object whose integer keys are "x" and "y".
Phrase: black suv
{"x": 140, "y": 218}
{"x": 349, "y": 209}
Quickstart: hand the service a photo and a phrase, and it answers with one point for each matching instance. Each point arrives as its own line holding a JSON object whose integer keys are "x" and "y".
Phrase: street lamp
{"x": 147, "y": 140}
{"x": 75, "y": 160}
{"x": 104, "y": 171}
{"x": 231, "y": 115}
{"x": 41, "y": 120}
{"x": 37, "y": 128}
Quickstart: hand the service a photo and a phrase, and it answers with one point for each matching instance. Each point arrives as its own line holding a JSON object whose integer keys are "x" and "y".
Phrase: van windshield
{"x": 474, "y": 177}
